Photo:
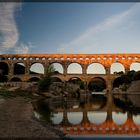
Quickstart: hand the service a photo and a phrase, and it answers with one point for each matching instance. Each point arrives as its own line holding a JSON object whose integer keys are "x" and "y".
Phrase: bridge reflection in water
{"x": 87, "y": 120}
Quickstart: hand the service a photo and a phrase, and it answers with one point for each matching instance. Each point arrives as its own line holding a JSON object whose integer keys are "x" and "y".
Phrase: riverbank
{"x": 17, "y": 120}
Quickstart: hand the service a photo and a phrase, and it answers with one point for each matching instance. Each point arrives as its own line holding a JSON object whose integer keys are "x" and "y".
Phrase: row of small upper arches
{"x": 73, "y": 58}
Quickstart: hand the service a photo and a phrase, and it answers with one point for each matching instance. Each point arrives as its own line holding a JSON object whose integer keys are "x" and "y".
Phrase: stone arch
{"x": 34, "y": 79}
{"x": 74, "y": 68}
{"x": 58, "y": 67}
{"x": 16, "y": 79}
{"x": 56, "y": 79}
{"x": 37, "y": 68}
{"x": 97, "y": 84}
{"x": 117, "y": 67}
{"x": 96, "y": 68}
{"x": 4, "y": 69}
{"x": 19, "y": 68}
{"x": 78, "y": 81}
{"x": 135, "y": 66}
{"x": 73, "y": 79}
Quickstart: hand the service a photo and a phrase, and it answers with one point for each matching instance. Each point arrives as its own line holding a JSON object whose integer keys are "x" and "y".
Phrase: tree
{"x": 47, "y": 80}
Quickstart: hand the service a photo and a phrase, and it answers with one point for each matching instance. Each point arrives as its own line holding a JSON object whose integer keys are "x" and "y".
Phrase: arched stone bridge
{"x": 8, "y": 65}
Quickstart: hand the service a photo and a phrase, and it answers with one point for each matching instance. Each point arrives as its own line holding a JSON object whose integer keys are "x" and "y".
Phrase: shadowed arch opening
{"x": 96, "y": 68}
{"x": 58, "y": 67}
{"x": 16, "y": 79}
{"x": 56, "y": 79}
{"x": 34, "y": 79}
{"x": 74, "y": 80}
{"x": 19, "y": 68}
{"x": 135, "y": 66}
{"x": 117, "y": 67}
{"x": 74, "y": 68}
{"x": 97, "y": 84}
{"x": 78, "y": 81}
{"x": 4, "y": 68}
{"x": 37, "y": 68}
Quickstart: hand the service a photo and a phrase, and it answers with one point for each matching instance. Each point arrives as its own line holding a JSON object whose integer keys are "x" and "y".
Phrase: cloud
{"x": 91, "y": 37}
{"x": 23, "y": 48}
{"x": 8, "y": 30}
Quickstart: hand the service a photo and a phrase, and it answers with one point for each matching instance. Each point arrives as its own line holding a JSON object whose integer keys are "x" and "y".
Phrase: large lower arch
{"x": 117, "y": 67}
{"x": 58, "y": 67}
{"x": 37, "y": 68}
{"x": 34, "y": 79}
{"x": 96, "y": 68}
{"x": 16, "y": 79}
{"x": 74, "y": 68}
{"x": 19, "y": 68}
{"x": 135, "y": 66}
{"x": 56, "y": 79}
{"x": 4, "y": 69}
{"x": 97, "y": 84}
{"x": 78, "y": 81}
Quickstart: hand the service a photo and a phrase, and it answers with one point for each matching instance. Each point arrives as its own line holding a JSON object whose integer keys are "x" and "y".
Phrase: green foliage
{"x": 96, "y": 85}
{"x": 136, "y": 76}
{"x": 46, "y": 81}
{"x": 127, "y": 78}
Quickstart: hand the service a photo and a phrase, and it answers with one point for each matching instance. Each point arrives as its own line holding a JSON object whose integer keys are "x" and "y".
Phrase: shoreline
{"x": 18, "y": 121}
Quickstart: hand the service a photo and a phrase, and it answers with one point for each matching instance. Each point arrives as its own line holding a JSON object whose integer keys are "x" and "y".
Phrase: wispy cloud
{"x": 88, "y": 39}
{"x": 23, "y": 48}
{"x": 8, "y": 31}
{"x": 9, "y": 34}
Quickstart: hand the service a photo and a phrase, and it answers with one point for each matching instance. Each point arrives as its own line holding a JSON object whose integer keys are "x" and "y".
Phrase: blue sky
{"x": 69, "y": 27}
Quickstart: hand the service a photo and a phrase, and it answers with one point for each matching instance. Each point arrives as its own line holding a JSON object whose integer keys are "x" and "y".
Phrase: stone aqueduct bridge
{"x": 10, "y": 60}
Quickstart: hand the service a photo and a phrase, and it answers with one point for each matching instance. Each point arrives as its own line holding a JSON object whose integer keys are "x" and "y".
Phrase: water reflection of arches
{"x": 37, "y": 68}
{"x": 101, "y": 119}
{"x": 136, "y": 119}
{"x": 74, "y": 68}
{"x": 19, "y": 68}
{"x": 117, "y": 67}
{"x": 97, "y": 117}
{"x": 57, "y": 117}
{"x": 97, "y": 84}
{"x": 96, "y": 68}
{"x": 72, "y": 117}
{"x": 58, "y": 67}
{"x": 119, "y": 117}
